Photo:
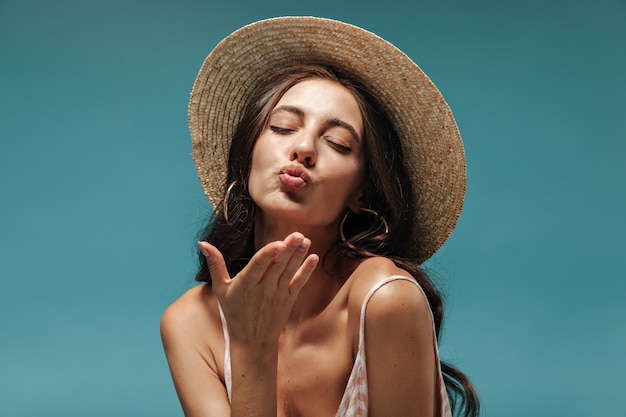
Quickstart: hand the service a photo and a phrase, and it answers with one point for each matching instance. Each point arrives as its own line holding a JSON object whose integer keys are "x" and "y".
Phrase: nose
{"x": 303, "y": 151}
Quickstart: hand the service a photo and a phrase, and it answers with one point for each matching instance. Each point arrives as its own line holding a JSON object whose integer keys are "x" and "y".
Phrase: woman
{"x": 344, "y": 173}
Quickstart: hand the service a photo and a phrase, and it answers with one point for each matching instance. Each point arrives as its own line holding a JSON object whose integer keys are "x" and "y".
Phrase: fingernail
{"x": 297, "y": 242}
{"x": 203, "y": 250}
{"x": 305, "y": 246}
{"x": 279, "y": 249}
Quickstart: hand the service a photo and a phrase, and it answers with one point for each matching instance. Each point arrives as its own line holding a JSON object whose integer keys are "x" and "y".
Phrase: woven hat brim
{"x": 432, "y": 147}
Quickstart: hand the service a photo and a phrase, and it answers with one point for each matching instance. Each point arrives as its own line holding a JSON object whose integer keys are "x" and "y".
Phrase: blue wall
{"x": 99, "y": 203}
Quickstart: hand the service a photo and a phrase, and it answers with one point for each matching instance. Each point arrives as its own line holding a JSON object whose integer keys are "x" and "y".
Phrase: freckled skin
{"x": 303, "y": 134}
{"x": 293, "y": 326}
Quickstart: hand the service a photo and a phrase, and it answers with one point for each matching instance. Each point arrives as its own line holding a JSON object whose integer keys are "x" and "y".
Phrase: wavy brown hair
{"x": 388, "y": 192}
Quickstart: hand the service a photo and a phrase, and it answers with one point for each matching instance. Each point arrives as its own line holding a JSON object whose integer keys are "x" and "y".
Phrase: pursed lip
{"x": 294, "y": 175}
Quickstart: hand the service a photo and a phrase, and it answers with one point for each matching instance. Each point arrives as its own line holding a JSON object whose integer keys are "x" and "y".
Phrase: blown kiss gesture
{"x": 257, "y": 301}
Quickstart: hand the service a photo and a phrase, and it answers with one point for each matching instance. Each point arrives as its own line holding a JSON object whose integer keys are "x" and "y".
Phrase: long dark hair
{"x": 388, "y": 192}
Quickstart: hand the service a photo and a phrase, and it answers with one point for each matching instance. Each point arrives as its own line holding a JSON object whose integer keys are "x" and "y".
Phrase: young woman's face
{"x": 308, "y": 163}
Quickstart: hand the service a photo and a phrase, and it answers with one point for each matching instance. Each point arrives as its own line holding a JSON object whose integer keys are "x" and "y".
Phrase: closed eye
{"x": 281, "y": 130}
{"x": 341, "y": 148}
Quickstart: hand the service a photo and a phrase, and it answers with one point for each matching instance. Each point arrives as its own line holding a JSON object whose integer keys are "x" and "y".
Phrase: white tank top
{"x": 355, "y": 397}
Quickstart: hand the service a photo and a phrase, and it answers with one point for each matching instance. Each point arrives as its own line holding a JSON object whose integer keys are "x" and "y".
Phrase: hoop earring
{"x": 342, "y": 236}
{"x": 226, "y": 198}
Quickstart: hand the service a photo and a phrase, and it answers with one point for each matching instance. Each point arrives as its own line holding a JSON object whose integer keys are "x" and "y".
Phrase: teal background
{"x": 99, "y": 203}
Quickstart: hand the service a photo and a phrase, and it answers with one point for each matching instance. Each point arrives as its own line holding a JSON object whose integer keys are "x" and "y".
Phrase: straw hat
{"x": 431, "y": 143}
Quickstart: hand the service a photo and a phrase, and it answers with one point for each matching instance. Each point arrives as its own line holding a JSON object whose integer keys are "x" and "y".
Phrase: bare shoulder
{"x": 192, "y": 305}
{"x": 193, "y": 316}
{"x": 373, "y": 272}
{"x": 394, "y": 300}
{"x": 193, "y": 341}
{"x": 400, "y": 347}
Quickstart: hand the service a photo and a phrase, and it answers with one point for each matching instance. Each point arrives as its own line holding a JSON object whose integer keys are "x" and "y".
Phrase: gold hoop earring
{"x": 226, "y": 198}
{"x": 342, "y": 236}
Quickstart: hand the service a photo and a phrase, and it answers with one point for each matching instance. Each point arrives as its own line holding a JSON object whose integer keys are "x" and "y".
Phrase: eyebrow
{"x": 332, "y": 122}
{"x": 347, "y": 126}
{"x": 289, "y": 109}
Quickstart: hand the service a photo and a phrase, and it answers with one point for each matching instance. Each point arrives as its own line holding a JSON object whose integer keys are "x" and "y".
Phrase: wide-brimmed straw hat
{"x": 431, "y": 143}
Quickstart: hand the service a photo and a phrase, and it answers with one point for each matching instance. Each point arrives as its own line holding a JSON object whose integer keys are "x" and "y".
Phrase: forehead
{"x": 318, "y": 86}
{"x": 323, "y": 98}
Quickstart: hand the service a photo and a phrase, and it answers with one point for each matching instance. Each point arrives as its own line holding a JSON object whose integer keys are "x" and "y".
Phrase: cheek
{"x": 349, "y": 180}
{"x": 360, "y": 180}
{"x": 254, "y": 170}
{"x": 260, "y": 160}
{"x": 260, "y": 154}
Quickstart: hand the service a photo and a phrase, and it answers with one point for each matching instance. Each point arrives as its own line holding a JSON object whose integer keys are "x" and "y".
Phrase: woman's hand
{"x": 258, "y": 300}
{"x": 256, "y": 304}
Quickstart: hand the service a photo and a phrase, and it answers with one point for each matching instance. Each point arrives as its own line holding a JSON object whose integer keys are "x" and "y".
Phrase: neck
{"x": 323, "y": 238}
{"x": 323, "y": 284}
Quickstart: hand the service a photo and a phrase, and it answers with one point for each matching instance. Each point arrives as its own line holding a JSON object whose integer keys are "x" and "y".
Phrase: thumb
{"x": 216, "y": 264}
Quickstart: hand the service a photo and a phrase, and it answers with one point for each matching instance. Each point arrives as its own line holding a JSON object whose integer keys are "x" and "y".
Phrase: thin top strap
{"x": 228, "y": 379}
{"x": 355, "y": 399}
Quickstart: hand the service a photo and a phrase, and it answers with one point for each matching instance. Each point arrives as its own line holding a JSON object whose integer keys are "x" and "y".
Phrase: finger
{"x": 217, "y": 265}
{"x": 263, "y": 260}
{"x": 286, "y": 264}
{"x": 300, "y": 248}
{"x": 302, "y": 275}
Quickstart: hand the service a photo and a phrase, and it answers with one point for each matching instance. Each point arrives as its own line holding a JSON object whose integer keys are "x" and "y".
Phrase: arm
{"x": 186, "y": 332}
{"x": 256, "y": 304}
{"x": 400, "y": 353}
